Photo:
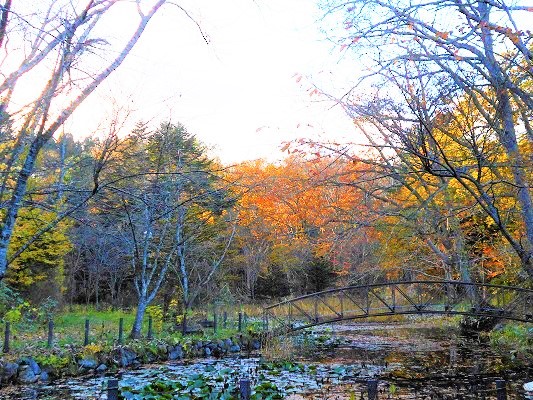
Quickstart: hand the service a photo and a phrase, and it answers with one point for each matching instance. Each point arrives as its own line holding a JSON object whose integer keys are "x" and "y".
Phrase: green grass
{"x": 69, "y": 327}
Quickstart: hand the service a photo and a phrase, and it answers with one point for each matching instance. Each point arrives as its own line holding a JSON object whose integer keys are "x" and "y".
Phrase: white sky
{"x": 238, "y": 94}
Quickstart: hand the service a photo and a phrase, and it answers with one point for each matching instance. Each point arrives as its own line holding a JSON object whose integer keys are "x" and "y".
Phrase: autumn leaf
{"x": 442, "y": 35}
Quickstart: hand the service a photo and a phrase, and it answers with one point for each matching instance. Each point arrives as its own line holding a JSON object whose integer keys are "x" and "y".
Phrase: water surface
{"x": 411, "y": 360}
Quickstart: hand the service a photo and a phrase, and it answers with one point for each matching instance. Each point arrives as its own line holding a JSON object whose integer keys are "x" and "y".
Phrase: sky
{"x": 243, "y": 93}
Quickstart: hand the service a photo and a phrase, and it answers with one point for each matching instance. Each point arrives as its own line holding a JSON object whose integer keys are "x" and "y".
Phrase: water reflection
{"x": 423, "y": 362}
{"x": 411, "y": 361}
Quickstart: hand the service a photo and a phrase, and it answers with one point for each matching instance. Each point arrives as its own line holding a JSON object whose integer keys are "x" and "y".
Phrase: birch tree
{"x": 169, "y": 190}
{"x": 55, "y": 46}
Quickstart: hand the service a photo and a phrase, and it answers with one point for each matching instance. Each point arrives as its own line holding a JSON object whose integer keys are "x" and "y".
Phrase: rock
{"x": 88, "y": 363}
{"x": 101, "y": 369}
{"x": 44, "y": 377}
{"x": 26, "y": 375}
{"x": 128, "y": 357}
{"x": 124, "y": 357}
{"x": 31, "y": 363}
{"x": 228, "y": 343}
{"x": 255, "y": 344}
{"x": 235, "y": 348}
{"x": 207, "y": 352}
{"x": 175, "y": 353}
{"x": 9, "y": 372}
{"x": 218, "y": 352}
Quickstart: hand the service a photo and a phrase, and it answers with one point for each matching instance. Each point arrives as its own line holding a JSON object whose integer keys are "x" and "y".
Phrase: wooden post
{"x": 240, "y": 321}
{"x": 225, "y": 319}
{"x": 501, "y": 389}
{"x": 245, "y": 389}
{"x": 121, "y": 331}
{"x": 150, "y": 328}
{"x": 112, "y": 389}
{"x": 290, "y": 314}
{"x": 184, "y": 323}
{"x": 367, "y": 302}
{"x": 50, "y": 341}
{"x": 372, "y": 385}
{"x": 86, "y": 337}
{"x": 448, "y": 293}
{"x": 316, "y": 309}
{"x": 215, "y": 322}
{"x": 393, "y": 295}
{"x": 7, "y": 333}
{"x": 265, "y": 322}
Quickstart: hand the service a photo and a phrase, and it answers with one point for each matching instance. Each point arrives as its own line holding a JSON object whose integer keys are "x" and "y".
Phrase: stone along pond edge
{"x": 73, "y": 361}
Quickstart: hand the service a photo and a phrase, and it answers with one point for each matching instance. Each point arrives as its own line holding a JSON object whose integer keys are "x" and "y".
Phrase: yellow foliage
{"x": 42, "y": 257}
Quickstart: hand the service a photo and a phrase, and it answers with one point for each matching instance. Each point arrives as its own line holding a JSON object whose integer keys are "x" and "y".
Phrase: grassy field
{"x": 69, "y": 326}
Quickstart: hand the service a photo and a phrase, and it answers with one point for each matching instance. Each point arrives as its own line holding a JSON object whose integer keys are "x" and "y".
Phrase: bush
{"x": 156, "y": 312}
{"x": 9, "y": 299}
{"x": 518, "y": 338}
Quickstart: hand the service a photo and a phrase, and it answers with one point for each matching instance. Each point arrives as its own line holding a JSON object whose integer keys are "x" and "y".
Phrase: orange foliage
{"x": 298, "y": 200}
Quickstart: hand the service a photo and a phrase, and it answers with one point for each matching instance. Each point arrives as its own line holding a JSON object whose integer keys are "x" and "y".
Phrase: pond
{"x": 411, "y": 360}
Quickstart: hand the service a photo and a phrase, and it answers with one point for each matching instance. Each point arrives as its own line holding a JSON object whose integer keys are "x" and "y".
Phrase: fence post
{"x": 6, "y": 337}
{"x": 112, "y": 389}
{"x": 215, "y": 321}
{"x": 265, "y": 322}
{"x": 372, "y": 385}
{"x": 184, "y": 323}
{"x": 225, "y": 319}
{"x": 50, "y": 334}
{"x": 501, "y": 390}
{"x": 86, "y": 337}
{"x": 316, "y": 309}
{"x": 245, "y": 389}
{"x": 240, "y": 321}
{"x": 121, "y": 331}
{"x": 150, "y": 328}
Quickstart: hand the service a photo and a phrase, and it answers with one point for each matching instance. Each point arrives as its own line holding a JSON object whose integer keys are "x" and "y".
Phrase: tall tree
{"x": 166, "y": 187}
{"x": 54, "y": 46}
{"x": 426, "y": 61}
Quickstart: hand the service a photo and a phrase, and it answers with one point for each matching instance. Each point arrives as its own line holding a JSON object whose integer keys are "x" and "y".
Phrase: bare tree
{"x": 60, "y": 41}
{"x": 169, "y": 187}
{"x": 425, "y": 61}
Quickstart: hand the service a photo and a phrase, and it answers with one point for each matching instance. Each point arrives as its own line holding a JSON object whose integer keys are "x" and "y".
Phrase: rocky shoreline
{"x": 27, "y": 370}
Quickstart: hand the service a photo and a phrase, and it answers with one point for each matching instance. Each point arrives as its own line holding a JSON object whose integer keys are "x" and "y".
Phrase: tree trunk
{"x": 10, "y": 218}
{"x": 184, "y": 321}
{"x": 139, "y": 316}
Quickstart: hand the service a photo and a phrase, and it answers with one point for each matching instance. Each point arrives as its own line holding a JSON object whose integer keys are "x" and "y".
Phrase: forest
{"x": 440, "y": 190}
{"x": 145, "y": 220}
{"x": 153, "y": 219}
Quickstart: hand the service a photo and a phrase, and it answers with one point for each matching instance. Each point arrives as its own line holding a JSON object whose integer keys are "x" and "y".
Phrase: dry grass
{"x": 278, "y": 348}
